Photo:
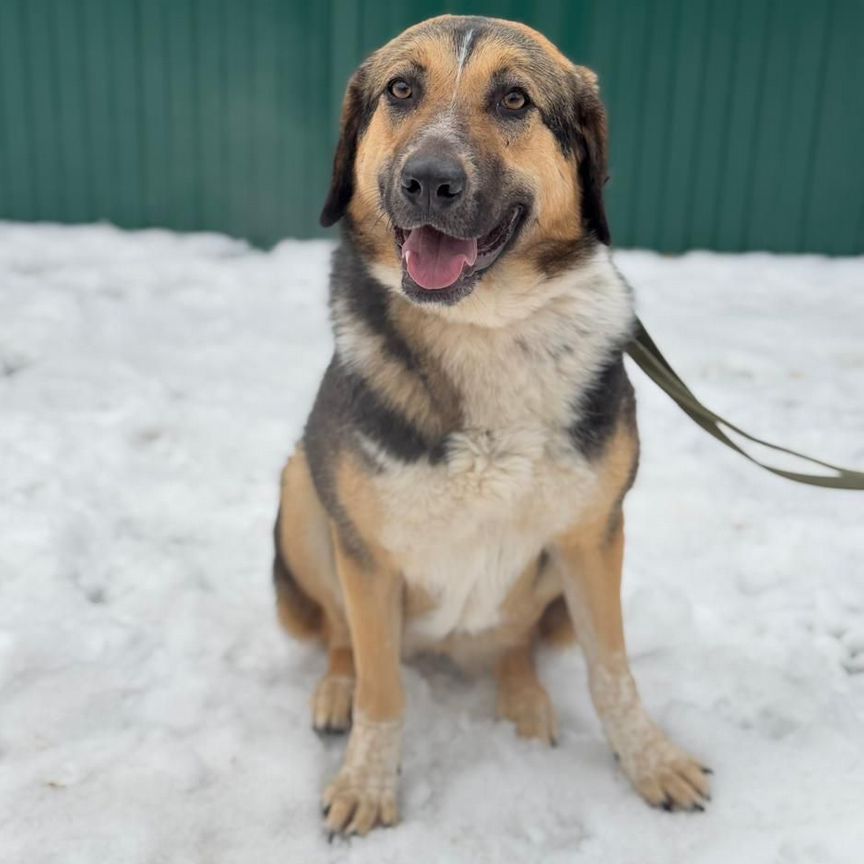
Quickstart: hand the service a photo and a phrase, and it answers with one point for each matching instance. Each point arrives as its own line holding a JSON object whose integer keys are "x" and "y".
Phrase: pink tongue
{"x": 434, "y": 260}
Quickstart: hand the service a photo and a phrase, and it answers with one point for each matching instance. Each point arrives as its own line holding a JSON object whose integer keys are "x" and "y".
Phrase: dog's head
{"x": 472, "y": 152}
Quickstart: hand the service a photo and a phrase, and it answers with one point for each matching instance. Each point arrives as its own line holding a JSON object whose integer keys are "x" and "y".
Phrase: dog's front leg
{"x": 664, "y": 775}
{"x": 363, "y": 794}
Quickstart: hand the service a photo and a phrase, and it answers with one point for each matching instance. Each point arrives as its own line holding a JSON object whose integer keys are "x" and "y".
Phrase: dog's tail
{"x": 298, "y": 613}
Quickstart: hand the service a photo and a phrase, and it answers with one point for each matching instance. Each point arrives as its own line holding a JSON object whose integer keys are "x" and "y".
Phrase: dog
{"x": 459, "y": 484}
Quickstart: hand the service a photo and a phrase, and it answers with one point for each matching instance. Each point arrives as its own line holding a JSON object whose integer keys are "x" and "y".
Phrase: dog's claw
{"x": 328, "y": 731}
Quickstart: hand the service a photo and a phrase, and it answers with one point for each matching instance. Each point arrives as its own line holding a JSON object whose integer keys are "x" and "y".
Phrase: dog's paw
{"x": 356, "y": 804}
{"x": 331, "y": 704}
{"x": 663, "y": 774}
{"x": 363, "y": 794}
{"x": 531, "y": 711}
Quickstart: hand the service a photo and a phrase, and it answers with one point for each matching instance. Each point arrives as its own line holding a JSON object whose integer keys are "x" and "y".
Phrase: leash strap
{"x": 649, "y": 359}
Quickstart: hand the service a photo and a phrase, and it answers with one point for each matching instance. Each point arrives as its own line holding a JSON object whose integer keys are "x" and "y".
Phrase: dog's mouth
{"x": 437, "y": 263}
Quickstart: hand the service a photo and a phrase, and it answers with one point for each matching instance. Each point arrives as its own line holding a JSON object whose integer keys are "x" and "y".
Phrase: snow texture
{"x": 152, "y": 384}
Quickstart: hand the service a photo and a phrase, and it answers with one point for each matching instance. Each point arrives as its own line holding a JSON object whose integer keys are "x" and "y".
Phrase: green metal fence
{"x": 736, "y": 124}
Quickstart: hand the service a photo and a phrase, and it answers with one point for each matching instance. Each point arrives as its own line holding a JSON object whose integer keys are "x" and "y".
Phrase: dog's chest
{"x": 463, "y": 528}
{"x": 466, "y": 543}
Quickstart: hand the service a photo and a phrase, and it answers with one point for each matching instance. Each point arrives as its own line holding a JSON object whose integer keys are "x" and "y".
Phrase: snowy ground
{"x": 151, "y": 386}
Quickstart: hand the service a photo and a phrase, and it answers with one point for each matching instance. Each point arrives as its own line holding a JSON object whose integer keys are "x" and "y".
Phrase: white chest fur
{"x": 465, "y": 531}
{"x": 466, "y": 527}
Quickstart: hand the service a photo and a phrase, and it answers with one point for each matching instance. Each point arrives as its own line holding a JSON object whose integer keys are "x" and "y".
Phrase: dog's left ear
{"x": 355, "y": 115}
{"x": 592, "y": 152}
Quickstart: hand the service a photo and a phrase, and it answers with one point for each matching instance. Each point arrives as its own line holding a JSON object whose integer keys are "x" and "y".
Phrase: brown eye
{"x": 515, "y": 100}
{"x": 400, "y": 89}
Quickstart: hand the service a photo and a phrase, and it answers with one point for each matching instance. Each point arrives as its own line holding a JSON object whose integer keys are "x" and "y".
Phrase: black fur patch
{"x": 600, "y": 406}
{"x": 459, "y": 34}
{"x": 346, "y": 403}
{"x": 367, "y": 299}
{"x": 554, "y": 257}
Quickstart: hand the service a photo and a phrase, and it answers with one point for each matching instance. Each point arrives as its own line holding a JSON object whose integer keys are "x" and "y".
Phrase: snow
{"x": 151, "y": 385}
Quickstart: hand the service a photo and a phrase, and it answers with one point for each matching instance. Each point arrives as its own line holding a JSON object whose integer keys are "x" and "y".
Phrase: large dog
{"x": 460, "y": 481}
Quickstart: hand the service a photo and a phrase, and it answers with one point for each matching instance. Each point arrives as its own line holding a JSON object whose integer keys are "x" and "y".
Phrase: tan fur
{"x": 334, "y": 695}
{"x": 590, "y": 556}
{"x": 363, "y": 793}
{"x": 304, "y": 543}
{"x": 664, "y": 774}
{"x": 522, "y": 699}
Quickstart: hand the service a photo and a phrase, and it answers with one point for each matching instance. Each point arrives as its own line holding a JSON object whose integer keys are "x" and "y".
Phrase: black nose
{"x": 433, "y": 181}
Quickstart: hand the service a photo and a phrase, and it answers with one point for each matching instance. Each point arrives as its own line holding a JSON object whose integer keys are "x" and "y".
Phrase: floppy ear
{"x": 592, "y": 141}
{"x": 355, "y": 114}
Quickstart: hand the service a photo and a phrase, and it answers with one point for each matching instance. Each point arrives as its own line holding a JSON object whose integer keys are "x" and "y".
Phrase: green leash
{"x": 647, "y": 355}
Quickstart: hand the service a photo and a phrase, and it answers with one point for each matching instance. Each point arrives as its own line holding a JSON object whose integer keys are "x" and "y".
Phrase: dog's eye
{"x": 400, "y": 89}
{"x": 515, "y": 100}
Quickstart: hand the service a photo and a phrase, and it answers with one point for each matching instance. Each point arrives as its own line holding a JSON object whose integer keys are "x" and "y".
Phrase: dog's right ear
{"x": 355, "y": 115}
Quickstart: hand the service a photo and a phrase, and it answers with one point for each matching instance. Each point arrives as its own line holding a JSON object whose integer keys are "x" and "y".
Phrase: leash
{"x": 649, "y": 359}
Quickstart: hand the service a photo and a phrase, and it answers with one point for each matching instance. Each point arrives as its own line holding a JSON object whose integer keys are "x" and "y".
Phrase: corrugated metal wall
{"x": 736, "y": 124}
